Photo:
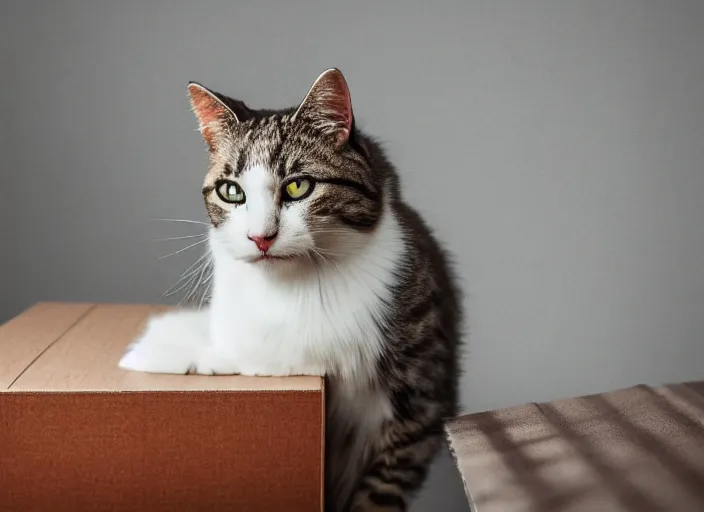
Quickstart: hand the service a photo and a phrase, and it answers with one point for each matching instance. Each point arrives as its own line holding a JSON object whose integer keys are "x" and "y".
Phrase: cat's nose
{"x": 263, "y": 242}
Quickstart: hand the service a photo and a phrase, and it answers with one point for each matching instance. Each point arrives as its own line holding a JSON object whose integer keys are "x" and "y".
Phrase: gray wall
{"x": 557, "y": 147}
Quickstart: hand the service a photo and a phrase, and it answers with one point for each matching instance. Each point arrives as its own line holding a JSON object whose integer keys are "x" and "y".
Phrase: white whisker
{"x": 194, "y": 289}
{"x": 186, "y": 273}
{"x": 184, "y": 285}
{"x": 180, "y": 237}
{"x": 184, "y": 249}
{"x": 201, "y": 282}
{"x": 186, "y": 221}
{"x": 207, "y": 282}
{"x": 200, "y": 258}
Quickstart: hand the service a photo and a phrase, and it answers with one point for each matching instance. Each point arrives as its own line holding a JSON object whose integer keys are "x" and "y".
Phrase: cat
{"x": 321, "y": 268}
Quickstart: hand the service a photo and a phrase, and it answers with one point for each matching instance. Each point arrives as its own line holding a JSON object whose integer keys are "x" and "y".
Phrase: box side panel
{"x": 28, "y": 335}
{"x": 161, "y": 451}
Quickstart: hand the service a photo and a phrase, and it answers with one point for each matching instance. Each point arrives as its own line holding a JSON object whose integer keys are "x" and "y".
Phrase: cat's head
{"x": 288, "y": 186}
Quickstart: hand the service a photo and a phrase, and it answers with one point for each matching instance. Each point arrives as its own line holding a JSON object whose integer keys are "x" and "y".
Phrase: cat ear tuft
{"x": 328, "y": 106}
{"x": 214, "y": 112}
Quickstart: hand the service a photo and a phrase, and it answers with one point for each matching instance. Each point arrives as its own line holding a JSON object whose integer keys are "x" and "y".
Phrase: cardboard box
{"x": 78, "y": 433}
{"x": 634, "y": 449}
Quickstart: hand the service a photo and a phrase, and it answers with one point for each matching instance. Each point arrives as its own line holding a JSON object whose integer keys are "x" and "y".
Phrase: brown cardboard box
{"x": 637, "y": 449}
{"x": 78, "y": 433}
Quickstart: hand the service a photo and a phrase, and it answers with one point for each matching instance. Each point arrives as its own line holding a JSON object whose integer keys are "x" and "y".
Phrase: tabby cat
{"x": 320, "y": 268}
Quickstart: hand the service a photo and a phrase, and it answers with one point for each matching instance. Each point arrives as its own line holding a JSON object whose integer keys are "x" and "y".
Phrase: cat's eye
{"x": 230, "y": 192}
{"x": 298, "y": 189}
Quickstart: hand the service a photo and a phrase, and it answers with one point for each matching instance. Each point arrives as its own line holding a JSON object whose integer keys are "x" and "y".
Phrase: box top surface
{"x": 587, "y": 453}
{"x": 76, "y": 347}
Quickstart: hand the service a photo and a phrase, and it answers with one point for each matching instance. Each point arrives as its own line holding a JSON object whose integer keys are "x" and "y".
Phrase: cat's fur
{"x": 366, "y": 298}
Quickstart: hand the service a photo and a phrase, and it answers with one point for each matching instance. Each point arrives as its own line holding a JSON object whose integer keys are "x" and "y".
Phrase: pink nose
{"x": 263, "y": 243}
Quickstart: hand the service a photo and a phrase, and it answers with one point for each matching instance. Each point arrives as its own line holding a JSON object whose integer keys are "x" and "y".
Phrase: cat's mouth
{"x": 272, "y": 257}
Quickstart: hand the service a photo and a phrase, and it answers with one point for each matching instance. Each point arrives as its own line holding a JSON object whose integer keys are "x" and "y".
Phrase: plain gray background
{"x": 556, "y": 146}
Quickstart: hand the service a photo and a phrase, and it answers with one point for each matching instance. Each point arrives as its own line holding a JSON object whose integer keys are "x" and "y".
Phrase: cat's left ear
{"x": 215, "y": 113}
{"x": 328, "y": 106}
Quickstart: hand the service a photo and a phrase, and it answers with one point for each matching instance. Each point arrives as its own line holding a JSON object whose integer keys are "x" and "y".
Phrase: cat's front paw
{"x": 171, "y": 343}
{"x": 152, "y": 355}
{"x": 215, "y": 362}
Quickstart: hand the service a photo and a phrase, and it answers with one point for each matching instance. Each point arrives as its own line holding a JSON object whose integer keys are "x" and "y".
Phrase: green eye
{"x": 230, "y": 192}
{"x": 298, "y": 189}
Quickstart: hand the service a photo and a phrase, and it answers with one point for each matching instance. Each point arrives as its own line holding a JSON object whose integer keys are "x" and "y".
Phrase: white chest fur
{"x": 326, "y": 322}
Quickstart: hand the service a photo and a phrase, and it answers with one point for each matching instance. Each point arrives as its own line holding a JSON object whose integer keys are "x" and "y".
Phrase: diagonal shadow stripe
{"x": 629, "y": 496}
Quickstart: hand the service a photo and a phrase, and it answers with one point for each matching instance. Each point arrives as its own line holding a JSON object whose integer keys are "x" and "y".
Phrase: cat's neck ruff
{"x": 332, "y": 314}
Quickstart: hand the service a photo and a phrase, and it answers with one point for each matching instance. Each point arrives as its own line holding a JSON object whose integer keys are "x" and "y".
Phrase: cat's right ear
{"x": 213, "y": 114}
